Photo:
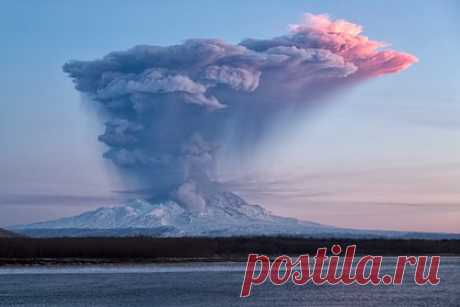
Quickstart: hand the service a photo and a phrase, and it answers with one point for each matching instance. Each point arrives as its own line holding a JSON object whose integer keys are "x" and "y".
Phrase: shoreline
{"x": 109, "y": 261}
{"x": 75, "y": 262}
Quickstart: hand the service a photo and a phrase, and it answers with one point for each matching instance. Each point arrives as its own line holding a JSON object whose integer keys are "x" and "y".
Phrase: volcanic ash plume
{"x": 171, "y": 108}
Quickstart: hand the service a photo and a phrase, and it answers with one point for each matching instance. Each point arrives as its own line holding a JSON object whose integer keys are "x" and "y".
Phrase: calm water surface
{"x": 205, "y": 284}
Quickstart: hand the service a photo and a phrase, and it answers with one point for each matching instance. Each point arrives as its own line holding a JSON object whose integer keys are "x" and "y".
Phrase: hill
{"x": 7, "y": 234}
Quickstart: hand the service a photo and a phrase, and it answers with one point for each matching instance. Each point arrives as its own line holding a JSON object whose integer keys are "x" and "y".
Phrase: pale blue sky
{"x": 387, "y": 148}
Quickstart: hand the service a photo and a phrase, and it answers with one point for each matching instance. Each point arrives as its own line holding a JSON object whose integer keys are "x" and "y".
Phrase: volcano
{"x": 226, "y": 214}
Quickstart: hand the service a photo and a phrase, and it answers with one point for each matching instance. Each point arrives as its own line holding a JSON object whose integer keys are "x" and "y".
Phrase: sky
{"x": 382, "y": 155}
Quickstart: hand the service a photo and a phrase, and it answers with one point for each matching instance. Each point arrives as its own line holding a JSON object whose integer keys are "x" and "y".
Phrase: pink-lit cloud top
{"x": 345, "y": 39}
{"x": 171, "y": 107}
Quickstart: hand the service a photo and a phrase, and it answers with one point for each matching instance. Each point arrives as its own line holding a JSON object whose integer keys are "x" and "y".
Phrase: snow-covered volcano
{"x": 226, "y": 214}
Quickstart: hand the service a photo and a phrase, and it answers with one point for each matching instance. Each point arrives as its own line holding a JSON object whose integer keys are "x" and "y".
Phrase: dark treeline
{"x": 212, "y": 248}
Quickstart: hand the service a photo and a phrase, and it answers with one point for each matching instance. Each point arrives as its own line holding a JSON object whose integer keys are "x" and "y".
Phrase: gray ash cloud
{"x": 170, "y": 108}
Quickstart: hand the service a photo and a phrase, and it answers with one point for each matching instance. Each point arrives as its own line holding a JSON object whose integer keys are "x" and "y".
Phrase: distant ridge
{"x": 8, "y": 234}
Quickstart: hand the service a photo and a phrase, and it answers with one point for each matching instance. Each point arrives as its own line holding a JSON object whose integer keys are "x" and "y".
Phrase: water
{"x": 205, "y": 284}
